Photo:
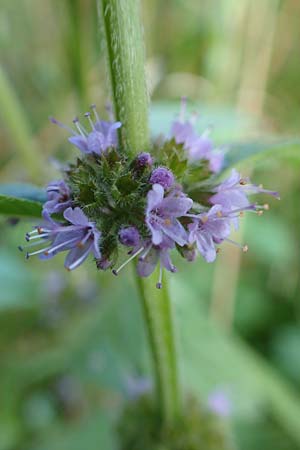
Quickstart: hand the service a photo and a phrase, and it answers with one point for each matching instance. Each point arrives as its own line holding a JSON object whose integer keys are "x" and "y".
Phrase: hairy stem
{"x": 125, "y": 51}
{"x": 126, "y": 61}
{"x": 157, "y": 311}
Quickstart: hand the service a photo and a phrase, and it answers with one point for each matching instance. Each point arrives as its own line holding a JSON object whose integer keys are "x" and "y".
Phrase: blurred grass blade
{"x": 18, "y": 128}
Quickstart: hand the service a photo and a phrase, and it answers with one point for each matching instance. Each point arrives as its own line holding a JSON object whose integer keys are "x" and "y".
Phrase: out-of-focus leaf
{"x": 15, "y": 207}
{"x": 23, "y": 190}
{"x": 254, "y": 151}
{"x": 211, "y": 359}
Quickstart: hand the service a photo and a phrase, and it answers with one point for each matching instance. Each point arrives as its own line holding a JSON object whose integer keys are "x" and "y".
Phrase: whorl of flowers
{"x": 163, "y": 199}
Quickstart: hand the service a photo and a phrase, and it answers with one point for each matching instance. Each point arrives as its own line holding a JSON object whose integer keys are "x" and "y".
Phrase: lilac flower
{"x": 197, "y": 147}
{"x": 144, "y": 159}
{"x": 58, "y": 194}
{"x": 162, "y": 215}
{"x": 129, "y": 236}
{"x": 79, "y": 238}
{"x": 102, "y": 135}
{"x": 153, "y": 255}
{"x": 214, "y": 227}
{"x": 207, "y": 229}
{"x": 233, "y": 193}
{"x": 162, "y": 176}
{"x": 219, "y": 403}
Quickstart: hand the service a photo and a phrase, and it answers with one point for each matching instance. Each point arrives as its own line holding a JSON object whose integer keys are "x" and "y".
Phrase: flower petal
{"x": 147, "y": 265}
{"x": 76, "y": 216}
{"x": 80, "y": 142}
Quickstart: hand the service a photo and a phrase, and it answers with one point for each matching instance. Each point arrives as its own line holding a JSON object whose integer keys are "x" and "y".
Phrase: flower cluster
{"x": 163, "y": 199}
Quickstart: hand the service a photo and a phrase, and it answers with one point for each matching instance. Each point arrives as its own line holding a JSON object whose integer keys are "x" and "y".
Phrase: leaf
{"x": 280, "y": 148}
{"x": 15, "y": 207}
{"x": 21, "y": 200}
{"x": 23, "y": 190}
{"x": 212, "y": 359}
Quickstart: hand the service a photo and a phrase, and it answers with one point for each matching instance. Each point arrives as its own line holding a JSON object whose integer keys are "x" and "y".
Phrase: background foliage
{"x": 72, "y": 346}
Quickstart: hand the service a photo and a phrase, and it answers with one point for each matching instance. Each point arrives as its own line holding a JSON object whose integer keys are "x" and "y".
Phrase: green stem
{"x": 126, "y": 61}
{"x": 157, "y": 311}
{"x": 75, "y": 40}
{"x": 125, "y": 51}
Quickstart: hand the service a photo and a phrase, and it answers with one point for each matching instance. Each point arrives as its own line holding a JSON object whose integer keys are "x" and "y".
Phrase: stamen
{"x": 87, "y": 115}
{"x": 93, "y": 107}
{"x": 244, "y": 247}
{"x": 141, "y": 258}
{"x": 79, "y": 260}
{"x": 116, "y": 271}
{"x": 38, "y": 236}
{"x": 62, "y": 125}
{"x": 159, "y": 284}
{"x": 37, "y": 252}
{"x": 84, "y": 240}
{"x": 57, "y": 247}
{"x": 79, "y": 127}
{"x": 183, "y": 109}
{"x": 109, "y": 110}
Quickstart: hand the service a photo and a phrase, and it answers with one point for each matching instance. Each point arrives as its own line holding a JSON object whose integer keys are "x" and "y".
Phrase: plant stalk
{"x": 126, "y": 61}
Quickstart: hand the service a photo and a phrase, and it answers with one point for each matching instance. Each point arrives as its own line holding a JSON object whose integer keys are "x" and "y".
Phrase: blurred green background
{"x": 72, "y": 346}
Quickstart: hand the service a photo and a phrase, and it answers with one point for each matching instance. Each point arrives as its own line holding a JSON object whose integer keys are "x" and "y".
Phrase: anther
{"x": 87, "y": 115}
{"x": 93, "y": 107}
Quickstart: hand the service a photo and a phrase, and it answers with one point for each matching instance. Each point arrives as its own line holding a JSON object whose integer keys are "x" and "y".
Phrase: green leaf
{"x": 23, "y": 190}
{"x": 21, "y": 199}
{"x": 13, "y": 206}
{"x": 281, "y": 148}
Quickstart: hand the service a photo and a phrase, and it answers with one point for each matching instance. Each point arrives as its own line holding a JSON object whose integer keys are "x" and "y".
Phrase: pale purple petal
{"x": 175, "y": 231}
{"x": 80, "y": 142}
{"x": 95, "y": 142}
{"x": 175, "y": 206}
{"x": 147, "y": 265}
{"x": 154, "y": 197}
{"x": 76, "y": 216}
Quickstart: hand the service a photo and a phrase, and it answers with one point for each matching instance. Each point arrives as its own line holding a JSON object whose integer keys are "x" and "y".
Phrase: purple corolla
{"x": 233, "y": 192}
{"x": 80, "y": 238}
{"x": 198, "y": 147}
{"x": 162, "y": 215}
{"x": 102, "y": 135}
{"x": 58, "y": 195}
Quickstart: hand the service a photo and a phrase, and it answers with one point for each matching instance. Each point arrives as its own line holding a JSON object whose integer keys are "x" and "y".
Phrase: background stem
{"x": 126, "y": 62}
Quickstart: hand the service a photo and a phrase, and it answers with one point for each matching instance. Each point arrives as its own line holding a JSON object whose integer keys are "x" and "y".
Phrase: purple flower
{"x": 197, "y": 147}
{"x": 219, "y": 403}
{"x": 155, "y": 254}
{"x": 233, "y": 192}
{"x": 207, "y": 229}
{"x": 129, "y": 236}
{"x": 162, "y": 176}
{"x": 144, "y": 159}
{"x": 102, "y": 135}
{"x": 162, "y": 215}
{"x": 79, "y": 238}
{"x": 58, "y": 194}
